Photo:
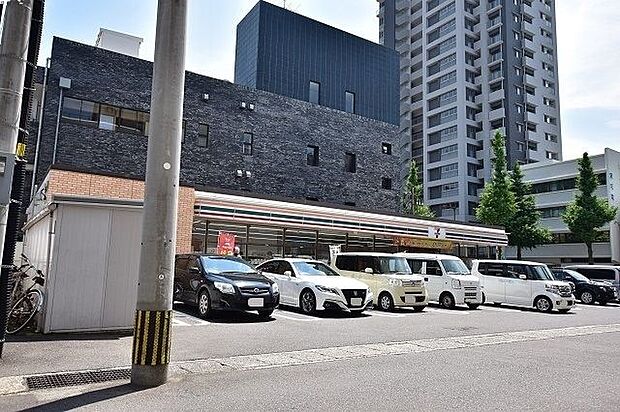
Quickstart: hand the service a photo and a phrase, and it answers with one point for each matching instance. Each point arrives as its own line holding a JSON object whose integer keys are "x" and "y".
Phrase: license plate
{"x": 256, "y": 302}
{"x": 410, "y": 299}
{"x": 356, "y": 301}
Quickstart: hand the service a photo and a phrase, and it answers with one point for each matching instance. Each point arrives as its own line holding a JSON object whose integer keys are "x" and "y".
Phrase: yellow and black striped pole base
{"x": 151, "y": 341}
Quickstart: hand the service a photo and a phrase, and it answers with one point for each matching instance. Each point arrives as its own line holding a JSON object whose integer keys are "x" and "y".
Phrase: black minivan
{"x": 215, "y": 282}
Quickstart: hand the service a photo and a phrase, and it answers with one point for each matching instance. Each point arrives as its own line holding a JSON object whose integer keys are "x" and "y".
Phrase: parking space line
{"x": 177, "y": 322}
{"x": 447, "y": 311}
{"x": 386, "y": 314}
{"x": 305, "y": 319}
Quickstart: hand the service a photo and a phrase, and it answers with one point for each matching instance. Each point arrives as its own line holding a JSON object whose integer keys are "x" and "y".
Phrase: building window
{"x": 314, "y": 92}
{"x": 386, "y": 183}
{"x": 203, "y": 135}
{"x": 552, "y": 155}
{"x": 350, "y": 163}
{"x": 386, "y": 148}
{"x": 312, "y": 155}
{"x": 247, "y": 143}
{"x": 108, "y": 116}
{"x": 349, "y": 102}
{"x": 551, "y": 137}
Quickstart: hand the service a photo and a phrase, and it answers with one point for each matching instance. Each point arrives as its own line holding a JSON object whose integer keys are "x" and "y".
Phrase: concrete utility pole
{"x": 13, "y": 57}
{"x": 151, "y": 343}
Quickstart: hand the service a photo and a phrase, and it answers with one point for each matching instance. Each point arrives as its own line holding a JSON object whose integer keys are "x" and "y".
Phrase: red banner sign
{"x": 225, "y": 243}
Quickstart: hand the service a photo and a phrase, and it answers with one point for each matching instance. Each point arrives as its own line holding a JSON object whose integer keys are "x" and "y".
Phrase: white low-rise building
{"x": 553, "y": 185}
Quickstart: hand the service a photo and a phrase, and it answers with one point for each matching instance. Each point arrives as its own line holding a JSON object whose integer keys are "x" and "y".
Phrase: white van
{"x": 522, "y": 283}
{"x": 388, "y": 277}
{"x": 447, "y": 279}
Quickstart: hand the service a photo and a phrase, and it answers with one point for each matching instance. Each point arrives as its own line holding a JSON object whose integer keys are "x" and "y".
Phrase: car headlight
{"x": 395, "y": 282}
{"x": 224, "y": 287}
{"x": 456, "y": 284}
{"x": 275, "y": 288}
{"x": 552, "y": 289}
{"x": 326, "y": 289}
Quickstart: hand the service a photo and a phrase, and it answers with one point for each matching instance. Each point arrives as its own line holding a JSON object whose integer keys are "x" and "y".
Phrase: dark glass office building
{"x": 285, "y": 53}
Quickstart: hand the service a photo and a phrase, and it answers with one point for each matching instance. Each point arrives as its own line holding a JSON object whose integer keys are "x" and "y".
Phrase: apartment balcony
{"x": 497, "y": 114}
{"x": 494, "y": 5}
{"x": 402, "y": 18}
{"x": 529, "y": 27}
{"x": 494, "y": 41}
{"x": 530, "y": 80}
{"x": 496, "y": 22}
{"x": 499, "y": 94}
{"x": 480, "y": 175}
{"x": 405, "y": 77}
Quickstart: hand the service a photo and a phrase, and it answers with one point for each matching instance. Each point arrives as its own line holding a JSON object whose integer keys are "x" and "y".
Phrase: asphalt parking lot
{"x": 520, "y": 353}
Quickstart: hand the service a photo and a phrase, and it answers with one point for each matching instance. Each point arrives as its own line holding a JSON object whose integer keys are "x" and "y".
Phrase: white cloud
{"x": 589, "y": 62}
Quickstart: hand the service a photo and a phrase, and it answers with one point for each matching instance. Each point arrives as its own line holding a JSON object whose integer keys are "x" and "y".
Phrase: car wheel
{"x": 484, "y": 298}
{"x": 586, "y": 297}
{"x": 419, "y": 308}
{"x": 543, "y": 304}
{"x": 473, "y": 306}
{"x": 446, "y": 300}
{"x": 307, "y": 302}
{"x": 265, "y": 314}
{"x": 385, "y": 302}
{"x": 204, "y": 304}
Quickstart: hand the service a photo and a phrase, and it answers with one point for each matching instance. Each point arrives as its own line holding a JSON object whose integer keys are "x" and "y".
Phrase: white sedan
{"x": 312, "y": 285}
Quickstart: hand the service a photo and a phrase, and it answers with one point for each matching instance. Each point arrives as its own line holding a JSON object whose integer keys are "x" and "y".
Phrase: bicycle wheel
{"x": 23, "y": 311}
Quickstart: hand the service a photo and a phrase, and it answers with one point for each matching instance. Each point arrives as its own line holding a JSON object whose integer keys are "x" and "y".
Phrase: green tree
{"x": 497, "y": 203}
{"x": 524, "y": 230}
{"x": 414, "y": 194}
{"x": 587, "y": 213}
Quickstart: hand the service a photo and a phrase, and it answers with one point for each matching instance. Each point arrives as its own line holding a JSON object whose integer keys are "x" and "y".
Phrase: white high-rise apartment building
{"x": 468, "y": 68}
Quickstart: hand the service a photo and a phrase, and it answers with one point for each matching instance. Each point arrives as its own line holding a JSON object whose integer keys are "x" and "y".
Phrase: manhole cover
{"x": 59, "y": 380}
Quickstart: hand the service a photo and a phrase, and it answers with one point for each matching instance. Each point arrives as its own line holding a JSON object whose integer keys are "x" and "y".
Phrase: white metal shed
{"x": 89, "y": 250}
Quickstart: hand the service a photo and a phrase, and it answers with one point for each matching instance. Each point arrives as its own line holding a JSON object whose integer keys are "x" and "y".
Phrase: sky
{"x": 588, "y": 40}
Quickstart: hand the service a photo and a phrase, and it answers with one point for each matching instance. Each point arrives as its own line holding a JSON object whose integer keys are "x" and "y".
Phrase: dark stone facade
{"x": 282, "y": 129}
{"x": 281, "y": 52}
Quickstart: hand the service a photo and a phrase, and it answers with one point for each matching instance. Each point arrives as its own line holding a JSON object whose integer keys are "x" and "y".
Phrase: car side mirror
{"x": 368, "y": 270}
{"x": 522, "y": 277}
{"x": 288, "y": 273}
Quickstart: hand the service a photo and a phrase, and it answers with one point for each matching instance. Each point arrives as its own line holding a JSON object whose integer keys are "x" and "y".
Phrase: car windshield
{"x": 225, "y": 264}
{"x": 454, "y": 266}
{"x": 577, "y": 276}
{"x": 541, "y": 273}
{"x": 314, "y": 269}
{"x": 393, "y": 265}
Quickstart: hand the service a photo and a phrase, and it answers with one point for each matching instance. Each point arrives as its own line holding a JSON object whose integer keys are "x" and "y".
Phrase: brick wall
{"x": 282, "y": 128}
{"x": 86, "y": 184}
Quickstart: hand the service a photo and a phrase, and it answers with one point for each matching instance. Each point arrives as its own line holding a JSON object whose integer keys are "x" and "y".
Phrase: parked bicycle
{"x": 27, "y": 302}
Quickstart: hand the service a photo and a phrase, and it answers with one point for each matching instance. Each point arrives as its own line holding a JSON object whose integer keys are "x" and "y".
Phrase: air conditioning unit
{"x": 243, "y": 105}
{"x": 205, "y": 96}
{"x": 248, "y": 174}
{"x": 251, "y": 106}
{"x": 239, "y": 173}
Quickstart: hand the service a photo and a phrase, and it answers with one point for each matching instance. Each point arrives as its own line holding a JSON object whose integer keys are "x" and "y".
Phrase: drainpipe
{"x": 40, "y": 126}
